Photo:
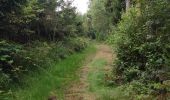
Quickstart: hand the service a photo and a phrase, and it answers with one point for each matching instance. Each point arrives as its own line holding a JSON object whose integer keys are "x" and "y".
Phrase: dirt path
{"x": 79, "y": 91}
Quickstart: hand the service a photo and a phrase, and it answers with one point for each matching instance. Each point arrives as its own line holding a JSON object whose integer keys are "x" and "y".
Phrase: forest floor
{"x": 91, "y": 75}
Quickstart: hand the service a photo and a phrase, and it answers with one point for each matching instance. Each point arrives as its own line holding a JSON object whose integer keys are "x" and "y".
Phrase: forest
{"x": 117, "y": 50}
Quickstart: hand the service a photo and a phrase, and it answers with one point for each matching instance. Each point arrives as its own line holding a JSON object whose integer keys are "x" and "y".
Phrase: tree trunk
{"x": 127, "y": 4}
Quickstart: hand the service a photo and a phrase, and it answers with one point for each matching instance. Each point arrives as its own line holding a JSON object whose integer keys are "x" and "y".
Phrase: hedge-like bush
{"x": 142, "y": 44}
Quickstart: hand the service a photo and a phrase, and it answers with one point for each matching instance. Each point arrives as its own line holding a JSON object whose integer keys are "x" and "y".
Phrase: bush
{"x": 77, "y": 44}
{"x": 142, "y": 42}
{"x": 16, "y": 60}
{"x": 9, "y": 69}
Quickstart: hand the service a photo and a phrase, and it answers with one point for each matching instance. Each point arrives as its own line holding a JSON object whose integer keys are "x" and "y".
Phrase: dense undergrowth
{"x": 18, "y": 61}
{"x": 53, "y": 80}
{"x": 142, "y": 44}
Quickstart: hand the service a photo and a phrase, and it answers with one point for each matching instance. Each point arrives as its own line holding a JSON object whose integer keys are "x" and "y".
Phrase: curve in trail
{"x": 79, "y": 90}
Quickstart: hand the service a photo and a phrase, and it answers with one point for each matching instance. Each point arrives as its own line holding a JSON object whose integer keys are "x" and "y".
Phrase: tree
{"x": 104, "y": 15}
{"x": 37, "y": 19}
{"x": 128, "y": 4}
{"x": 16, "y": 15}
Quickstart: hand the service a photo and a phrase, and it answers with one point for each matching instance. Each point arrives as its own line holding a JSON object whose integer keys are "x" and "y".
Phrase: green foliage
{"x": 17, "y": 16}
{"x": 34, "y": 35}
{"x": 54, "y": 77}
{"x": 37, "y": 53}
{"x": 77, "y": 44}
{"x": 141, "y": 42}
{"x": 102, "y": 17}
{"x": 17, "y": 61}
{"x": 97, "y": 13}
{"x": 8, "y": 67}
{"x": 38, "y": 20}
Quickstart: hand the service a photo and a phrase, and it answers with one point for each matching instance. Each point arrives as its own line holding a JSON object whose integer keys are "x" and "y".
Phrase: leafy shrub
{"x": 16, "y": 60}
{"x": 142, "y": 42}
{"x": 77, "y": 44}
{"x": 8, "y": 67}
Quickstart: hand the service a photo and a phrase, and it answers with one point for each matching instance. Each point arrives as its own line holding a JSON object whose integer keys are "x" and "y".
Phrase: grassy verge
{"x": 54, "y": 80}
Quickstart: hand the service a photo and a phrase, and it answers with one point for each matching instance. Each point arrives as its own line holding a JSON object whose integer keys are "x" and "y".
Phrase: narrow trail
{"x": 79, "y": 90}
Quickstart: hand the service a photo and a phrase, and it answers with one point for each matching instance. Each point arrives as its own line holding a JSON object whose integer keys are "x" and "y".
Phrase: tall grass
{"x": 53, "y": 80}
